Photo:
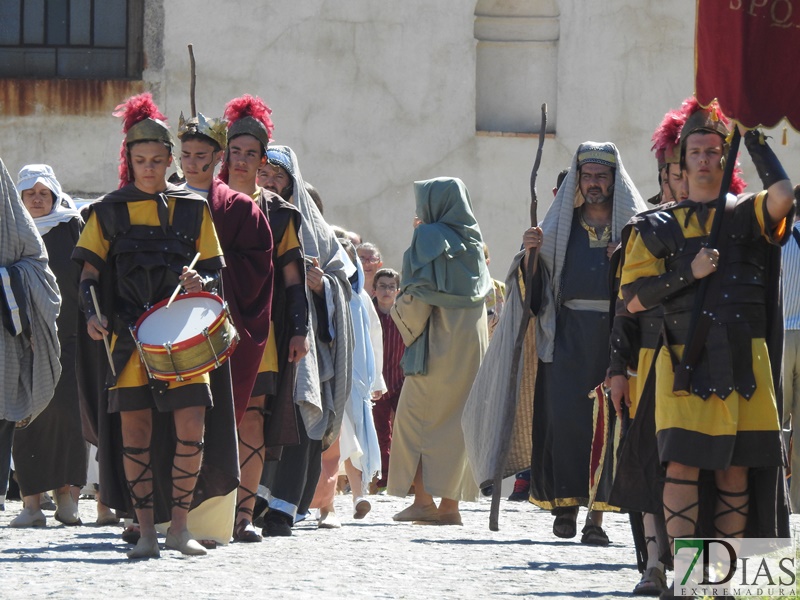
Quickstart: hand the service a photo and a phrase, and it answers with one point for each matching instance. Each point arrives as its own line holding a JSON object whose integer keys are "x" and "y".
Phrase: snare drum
{"x": 193, "y": 336}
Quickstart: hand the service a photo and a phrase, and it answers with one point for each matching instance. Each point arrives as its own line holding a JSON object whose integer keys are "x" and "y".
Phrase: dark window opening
{"x": 71, "y": 39}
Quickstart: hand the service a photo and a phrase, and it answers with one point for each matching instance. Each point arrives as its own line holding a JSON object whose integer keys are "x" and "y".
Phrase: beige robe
{"x": 427, "y": 426}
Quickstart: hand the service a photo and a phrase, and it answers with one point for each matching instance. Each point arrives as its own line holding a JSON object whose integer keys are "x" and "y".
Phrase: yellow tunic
{"x": 289, "y": 241}
{"x": 145, "y": 213}
{"x": 714, "y": 416}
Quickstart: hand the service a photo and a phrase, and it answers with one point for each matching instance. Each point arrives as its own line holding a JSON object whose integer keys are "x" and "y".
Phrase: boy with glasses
{"x": 371, "y": 262}
{"x": 385, "y": 287}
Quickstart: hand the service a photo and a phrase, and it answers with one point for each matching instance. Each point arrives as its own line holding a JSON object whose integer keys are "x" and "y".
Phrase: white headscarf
{"x": 63, "y": 208}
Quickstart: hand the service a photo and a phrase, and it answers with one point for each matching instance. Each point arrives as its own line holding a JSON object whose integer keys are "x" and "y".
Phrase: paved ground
{"x": 374, "y": 558}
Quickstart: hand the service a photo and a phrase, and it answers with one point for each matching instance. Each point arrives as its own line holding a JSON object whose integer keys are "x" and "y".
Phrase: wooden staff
{"x": 193, "y": 81}
{"x": 507, "y": 424}
{"x": 178, "y": 288}
{"x": 105, "y": 338}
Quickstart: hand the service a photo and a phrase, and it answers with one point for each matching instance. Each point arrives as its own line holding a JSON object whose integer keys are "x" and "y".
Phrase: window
{"x": 516, "y": 65}
{"x": 71, "y": 39}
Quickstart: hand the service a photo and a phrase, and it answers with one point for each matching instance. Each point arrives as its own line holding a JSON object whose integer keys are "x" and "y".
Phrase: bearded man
{"x": 571, "y": 299}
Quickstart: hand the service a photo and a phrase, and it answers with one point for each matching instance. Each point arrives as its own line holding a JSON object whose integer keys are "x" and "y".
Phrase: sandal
{"x": 593, "y": 535}
{"x": 131, "y": 534}
{"x": 653, "y": 583}
{"x": 245, "y": 532}
{"x": 565, "y": 526}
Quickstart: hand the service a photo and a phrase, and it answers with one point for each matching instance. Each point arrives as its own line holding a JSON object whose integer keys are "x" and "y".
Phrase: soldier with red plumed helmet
{"x": 134, "y": 251}
{"x": 269, "y": 420}
{"x": 718, "y": 412}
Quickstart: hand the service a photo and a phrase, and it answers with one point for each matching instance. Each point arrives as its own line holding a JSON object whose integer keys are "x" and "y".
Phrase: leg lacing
{"x": 144, "y": 479}
{"x": 246, "y": 495}
{"x": 182, "y": 496}
{"x": 681, "y": 513}
{"x": 727, "y": 511}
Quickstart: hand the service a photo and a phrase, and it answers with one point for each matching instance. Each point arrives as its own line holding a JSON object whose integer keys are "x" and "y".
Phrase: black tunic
{"x": 563, "y": 412}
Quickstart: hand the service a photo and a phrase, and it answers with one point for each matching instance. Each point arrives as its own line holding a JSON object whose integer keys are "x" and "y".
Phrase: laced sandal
{"x": 653, "y": 583}
{"x": 246, "y": 532}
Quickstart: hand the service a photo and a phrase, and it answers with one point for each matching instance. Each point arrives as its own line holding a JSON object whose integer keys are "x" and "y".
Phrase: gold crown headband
{"x": 216, "y": 129}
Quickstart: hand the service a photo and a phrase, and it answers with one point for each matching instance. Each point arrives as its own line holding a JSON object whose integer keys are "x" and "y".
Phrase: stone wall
{"x": 373, "y": 95}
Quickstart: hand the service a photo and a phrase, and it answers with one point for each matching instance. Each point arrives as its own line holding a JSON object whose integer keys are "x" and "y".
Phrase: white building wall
{"x": 373, "y": 95}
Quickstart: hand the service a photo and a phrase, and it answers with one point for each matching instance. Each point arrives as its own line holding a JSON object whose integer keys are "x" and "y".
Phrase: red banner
{"x": 747, "y": 55}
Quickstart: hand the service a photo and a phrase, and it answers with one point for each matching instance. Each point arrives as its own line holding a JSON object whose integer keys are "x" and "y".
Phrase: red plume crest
{"x": 249, "y": 106}
{"x": 133, "y": 110}
{"x": 668, "y": 133}
{"x": 138, "y": 108}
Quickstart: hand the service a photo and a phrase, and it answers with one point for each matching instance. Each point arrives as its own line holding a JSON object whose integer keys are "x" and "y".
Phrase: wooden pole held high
{"x": 507, "y": 427}
{"x": 193, "y": 84}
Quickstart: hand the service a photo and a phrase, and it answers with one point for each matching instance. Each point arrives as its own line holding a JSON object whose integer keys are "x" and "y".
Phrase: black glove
{"x": 767, "y": 165}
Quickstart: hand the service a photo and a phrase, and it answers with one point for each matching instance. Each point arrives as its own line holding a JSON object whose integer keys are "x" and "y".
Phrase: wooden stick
{"x": 105, "y": 338}
{"x": 510, "y": 407}
{"x": 178, "y": 289}
{"x": 193, "y": 81}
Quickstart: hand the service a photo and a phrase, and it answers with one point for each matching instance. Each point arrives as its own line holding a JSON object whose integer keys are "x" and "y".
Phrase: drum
{"x": 193, "y": 336}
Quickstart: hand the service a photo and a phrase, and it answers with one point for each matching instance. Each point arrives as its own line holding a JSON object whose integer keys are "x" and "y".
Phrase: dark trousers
{"x": 293, "y": 479}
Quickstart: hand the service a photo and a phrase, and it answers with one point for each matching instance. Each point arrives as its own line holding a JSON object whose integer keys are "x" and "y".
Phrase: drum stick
{"x": 178, "y": 289}
{"x": 105, "y": 339}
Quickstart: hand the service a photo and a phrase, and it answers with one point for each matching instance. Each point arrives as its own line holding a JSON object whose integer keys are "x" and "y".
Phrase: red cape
{"x": 247, "y": 279}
